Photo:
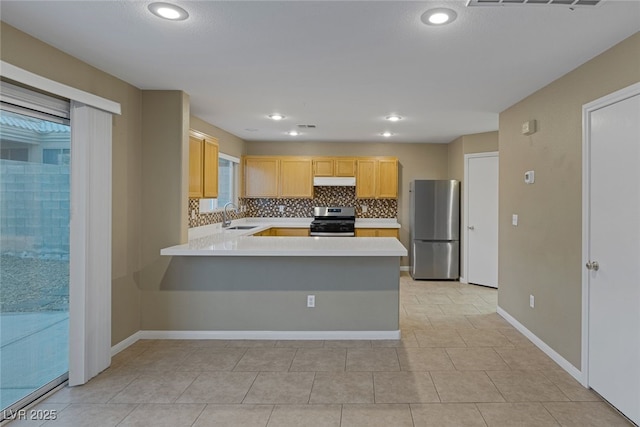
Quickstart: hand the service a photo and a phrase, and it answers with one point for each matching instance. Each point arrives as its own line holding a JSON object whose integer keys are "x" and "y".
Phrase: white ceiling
{"x": 341, "y": 65}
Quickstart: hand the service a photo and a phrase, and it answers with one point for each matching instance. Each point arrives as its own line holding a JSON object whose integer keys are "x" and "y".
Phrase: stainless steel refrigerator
{"x": 435, "y": 229}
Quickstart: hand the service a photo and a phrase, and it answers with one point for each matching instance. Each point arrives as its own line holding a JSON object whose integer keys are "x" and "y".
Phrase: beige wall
{"x": 467, "y": 144}
{"x": 229, "y": 143}
{"x": 542, "y": 256}
{"x": 26, "y": 52}
{"x": 416, "y": 161}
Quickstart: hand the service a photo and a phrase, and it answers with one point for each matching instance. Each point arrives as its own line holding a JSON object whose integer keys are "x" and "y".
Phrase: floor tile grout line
{"x": 199, "y": 414}
{"x": 484, "y": 420}
{"x": 250, "y": 387}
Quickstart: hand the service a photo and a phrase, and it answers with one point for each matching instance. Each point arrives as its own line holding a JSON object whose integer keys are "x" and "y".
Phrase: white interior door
{"x": 481, "y": 235}
{"x": 613, "y": 257}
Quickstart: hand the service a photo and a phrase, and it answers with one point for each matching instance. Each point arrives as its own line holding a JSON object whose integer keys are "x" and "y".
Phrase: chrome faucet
{"x": 226, "y": 221}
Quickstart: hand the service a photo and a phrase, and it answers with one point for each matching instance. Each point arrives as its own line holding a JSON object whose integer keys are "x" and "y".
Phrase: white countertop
{"x": 212, "y": 240}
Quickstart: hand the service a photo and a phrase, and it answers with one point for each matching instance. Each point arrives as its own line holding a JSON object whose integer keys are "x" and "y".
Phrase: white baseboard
{"x": 404, "y": 268}
{"x": 462, "y": 279}
{"x": 254, "y": 335}
{"x": 555, "y": 356}
{"x": 125, "y": 343}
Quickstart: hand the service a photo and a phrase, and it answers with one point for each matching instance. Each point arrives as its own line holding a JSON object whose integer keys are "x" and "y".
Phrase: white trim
{"x": 405, "y": 268}
{"x": 463, "y": 279}
{"x": 271, "y": 335}
{"x": 587, "y": 109}
{"x": 555, "y": 356}
{"x": 127, "y": 342}
{"x": 465, "y": 211}
{"x": 30, "y": 79}
{"x": 255, "y": 335}
{"x": 229, "y": 158}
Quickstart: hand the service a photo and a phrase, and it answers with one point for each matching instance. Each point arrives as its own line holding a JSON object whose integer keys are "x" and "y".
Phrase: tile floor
{"x": 458, "y": 364}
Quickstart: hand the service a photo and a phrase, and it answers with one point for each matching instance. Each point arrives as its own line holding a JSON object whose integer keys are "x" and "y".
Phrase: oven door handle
{"x": 329, "y": 234}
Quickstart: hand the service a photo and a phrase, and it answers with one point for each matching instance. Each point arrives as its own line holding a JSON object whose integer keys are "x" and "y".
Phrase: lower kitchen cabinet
{"x": 284, "y": 232}
{"x": 377, "y": 232}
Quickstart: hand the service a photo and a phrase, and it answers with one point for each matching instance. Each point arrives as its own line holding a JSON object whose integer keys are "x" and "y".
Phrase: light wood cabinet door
{"x": 377, "y": 232}
{"x": 210, "y": 169}
{"x": 295, "y": 232}
{"x": 387, "y": 232}
{"x": 345, "y": 167}
{"x": 323, "y": 167}
{"x": 366, "y": 179}
{"x": 387, "y": 179}
{"x": 296, "y": 177}
{"x": 195, "y": 167}
{"x": 261, "y": 176}
{"x": 365, "y": 232}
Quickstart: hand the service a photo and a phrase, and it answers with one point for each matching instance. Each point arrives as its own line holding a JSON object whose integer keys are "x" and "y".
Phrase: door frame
{"x": 587, "y": 109}
{"x": 465, "y": 210}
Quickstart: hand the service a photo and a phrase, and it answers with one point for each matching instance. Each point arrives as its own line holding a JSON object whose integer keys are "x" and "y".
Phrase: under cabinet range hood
{"x": 334, "y": 181}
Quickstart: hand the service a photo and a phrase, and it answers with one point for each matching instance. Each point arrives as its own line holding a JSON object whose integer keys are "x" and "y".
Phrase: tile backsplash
{"x": 196, "y": 219}
{"x": 323, "y": 196}
{"x": 299, "y": 208}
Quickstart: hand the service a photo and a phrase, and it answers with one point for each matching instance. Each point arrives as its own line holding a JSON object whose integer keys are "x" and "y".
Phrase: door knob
{"x": 593, "y": 265}
{"x": 471, "y": 227}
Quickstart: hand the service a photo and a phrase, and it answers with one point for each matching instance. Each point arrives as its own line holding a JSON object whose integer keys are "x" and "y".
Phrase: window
{"x": 228, "y": 167}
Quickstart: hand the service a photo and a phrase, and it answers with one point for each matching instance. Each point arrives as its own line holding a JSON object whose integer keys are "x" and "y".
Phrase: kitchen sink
{"x": 241, "y": 227}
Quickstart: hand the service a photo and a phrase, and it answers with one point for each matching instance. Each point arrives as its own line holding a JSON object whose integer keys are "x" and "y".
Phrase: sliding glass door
{"x": 35, "y": 154}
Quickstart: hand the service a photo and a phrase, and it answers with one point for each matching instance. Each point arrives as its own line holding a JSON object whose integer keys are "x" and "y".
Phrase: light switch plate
{"x": 514, "y": 220}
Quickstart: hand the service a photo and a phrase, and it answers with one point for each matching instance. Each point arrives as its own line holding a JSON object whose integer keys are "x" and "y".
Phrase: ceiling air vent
{"x": 569, "y": 3}
{"x": 307, "y": 126}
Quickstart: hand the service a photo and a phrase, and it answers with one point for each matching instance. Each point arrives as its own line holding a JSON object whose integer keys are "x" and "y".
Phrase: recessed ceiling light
{"x": 293, "y": 133}
{"x": 386, "y": 134}
{"x": 438, "y": 16}
{"x": 393, "y": 118}
{"x": 276, "y": 116}
{"x": 168, "y": 11}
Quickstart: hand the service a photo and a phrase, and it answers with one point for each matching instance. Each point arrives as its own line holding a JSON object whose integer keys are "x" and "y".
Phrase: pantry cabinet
{"x": 203, "y": 166}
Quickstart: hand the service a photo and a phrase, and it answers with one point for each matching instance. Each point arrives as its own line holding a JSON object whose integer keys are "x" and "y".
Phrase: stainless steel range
{"x": 333, "y": 221}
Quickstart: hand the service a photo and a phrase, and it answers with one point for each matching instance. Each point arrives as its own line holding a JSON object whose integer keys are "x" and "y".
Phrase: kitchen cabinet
{"x": 334, "y": 166}
{"x": 278, "y": 177}
{"x": 296, "y": 177}
{"x": 261, "y": 176}
{"x": 279, "y": 231}
{"x": 203, "y": 166}
{"x": 377, "y": 178}
{"x": 290, "y": 232}
{"x": 377, "y": 232}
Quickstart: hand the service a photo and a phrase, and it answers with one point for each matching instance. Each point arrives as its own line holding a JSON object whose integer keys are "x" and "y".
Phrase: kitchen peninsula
{"x": 232, "y": 284}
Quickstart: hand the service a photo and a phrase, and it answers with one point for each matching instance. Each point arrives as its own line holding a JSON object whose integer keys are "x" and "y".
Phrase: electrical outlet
{"x": 532, "y": 301}
{"x": 364, "y": 208}
{"x": 311, "y": 301}
{"x": 281, "y": 208}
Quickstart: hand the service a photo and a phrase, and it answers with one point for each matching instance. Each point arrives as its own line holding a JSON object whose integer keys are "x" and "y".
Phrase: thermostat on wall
{"x": 529, "y": 177}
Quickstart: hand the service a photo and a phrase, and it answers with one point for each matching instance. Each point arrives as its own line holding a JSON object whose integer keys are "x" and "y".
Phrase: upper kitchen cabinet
{"x": 334, "y": 166}
{"x": 296, "y": 177}
{"x": 345, "y": 167}
{"x": 261, "y": 176}
{"x": 203, "y": 166}
{"x": 377, "y": 178}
